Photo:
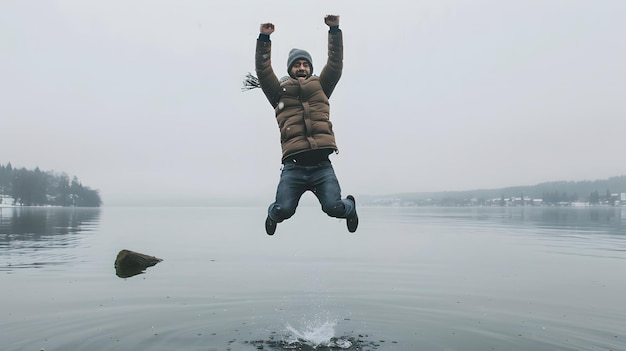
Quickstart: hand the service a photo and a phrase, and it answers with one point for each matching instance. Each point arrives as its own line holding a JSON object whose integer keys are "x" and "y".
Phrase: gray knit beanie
{"x": 298, "y": 54}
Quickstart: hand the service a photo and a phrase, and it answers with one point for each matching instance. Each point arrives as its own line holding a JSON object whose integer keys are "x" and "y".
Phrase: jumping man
{"x": 306, "y": 132}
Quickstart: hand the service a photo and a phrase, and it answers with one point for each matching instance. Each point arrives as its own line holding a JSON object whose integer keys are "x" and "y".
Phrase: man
{"x": 306, "y": 134}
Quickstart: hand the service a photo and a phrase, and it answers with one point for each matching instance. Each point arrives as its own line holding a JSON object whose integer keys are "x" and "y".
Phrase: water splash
{"x": 315, "y": 334}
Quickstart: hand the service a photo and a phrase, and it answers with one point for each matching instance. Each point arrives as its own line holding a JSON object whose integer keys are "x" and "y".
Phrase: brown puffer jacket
{"x": 301, "y": 106}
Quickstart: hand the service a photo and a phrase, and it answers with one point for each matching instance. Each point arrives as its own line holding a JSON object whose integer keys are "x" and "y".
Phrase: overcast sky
{"x": 142, "y": 99}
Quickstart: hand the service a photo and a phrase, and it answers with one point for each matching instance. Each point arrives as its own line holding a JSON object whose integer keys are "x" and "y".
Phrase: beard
{"x": 302, "y": 74}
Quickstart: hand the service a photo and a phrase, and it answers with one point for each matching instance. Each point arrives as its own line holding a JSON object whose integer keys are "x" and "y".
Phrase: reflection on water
{"x": 612, "y": 219}
{"x": 37, "y": 236}
{"x": 590, "y": 228}
{"x": 609, "y": 219}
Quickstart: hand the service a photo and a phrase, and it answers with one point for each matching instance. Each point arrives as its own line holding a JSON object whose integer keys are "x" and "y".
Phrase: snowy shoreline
{"x": 9, "y": 202}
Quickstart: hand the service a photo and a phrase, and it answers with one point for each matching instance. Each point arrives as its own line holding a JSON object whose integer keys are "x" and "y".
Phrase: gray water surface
{"x": 525, "y": 278}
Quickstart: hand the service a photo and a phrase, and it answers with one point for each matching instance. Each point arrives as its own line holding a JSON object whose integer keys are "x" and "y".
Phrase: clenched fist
{"x": 331, "y": 20}
{"x": 267, "y": 28}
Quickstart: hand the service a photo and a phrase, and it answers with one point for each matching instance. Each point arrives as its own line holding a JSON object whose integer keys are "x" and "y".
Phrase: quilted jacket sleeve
{"x": 263, "y": 65}
{"x": 334, "y": 65}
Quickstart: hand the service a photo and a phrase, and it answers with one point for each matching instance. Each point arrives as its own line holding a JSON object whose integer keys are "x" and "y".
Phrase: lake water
{"x": 523, "y": 278}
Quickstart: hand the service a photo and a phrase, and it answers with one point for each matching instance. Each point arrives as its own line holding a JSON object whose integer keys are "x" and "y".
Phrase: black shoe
{"x": 270, "y": 226}
{"x": 352, "y": 221}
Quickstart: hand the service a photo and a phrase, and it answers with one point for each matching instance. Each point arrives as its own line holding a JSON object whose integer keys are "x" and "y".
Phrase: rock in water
{"x": 129, "y": 263}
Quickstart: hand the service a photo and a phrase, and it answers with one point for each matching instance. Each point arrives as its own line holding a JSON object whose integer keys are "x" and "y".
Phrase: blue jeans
{"x": 320, "y": 179}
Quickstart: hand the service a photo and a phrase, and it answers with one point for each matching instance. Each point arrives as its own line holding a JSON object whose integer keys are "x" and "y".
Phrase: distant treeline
{"x": 550, "y": 193}
{"x": 37, "y": 188}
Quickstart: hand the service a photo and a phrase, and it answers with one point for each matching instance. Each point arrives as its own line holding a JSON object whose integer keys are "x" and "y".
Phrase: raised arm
{"x": 334, "y": 65}
{"x": 263, "y": 64}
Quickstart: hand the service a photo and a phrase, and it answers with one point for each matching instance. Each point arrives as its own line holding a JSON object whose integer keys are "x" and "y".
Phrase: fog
{"x": 142, "y": 99}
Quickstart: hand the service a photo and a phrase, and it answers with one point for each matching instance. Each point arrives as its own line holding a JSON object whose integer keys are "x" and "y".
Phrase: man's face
{"x": 301, "y": 69}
